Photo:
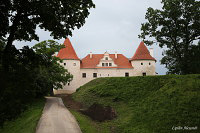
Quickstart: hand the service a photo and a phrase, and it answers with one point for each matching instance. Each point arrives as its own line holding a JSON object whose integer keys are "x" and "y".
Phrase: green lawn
{"x": 27, "y": 121}
{"x": 151, "y": 104}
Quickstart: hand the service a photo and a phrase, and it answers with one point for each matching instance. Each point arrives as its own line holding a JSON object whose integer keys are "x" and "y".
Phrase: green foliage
{"x": 20, "y": 18}
{"x": 28, "y": 75}
{"x": 57, "y": 75}
{"x": 146, "y": 104}
{"x": 27, "y": 121}
{"x": 175, "y": 26}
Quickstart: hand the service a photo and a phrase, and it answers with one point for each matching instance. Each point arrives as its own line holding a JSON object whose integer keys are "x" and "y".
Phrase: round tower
{"x": 71, "y": 62}
{"x": 143, "y": 62}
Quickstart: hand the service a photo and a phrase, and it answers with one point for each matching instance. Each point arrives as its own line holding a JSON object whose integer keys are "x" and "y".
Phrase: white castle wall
{"x": 103, "y": 72}
{"x": 73, "y": 66}
{"x": 78, "y": 80}
{"x": 145, "y": 67}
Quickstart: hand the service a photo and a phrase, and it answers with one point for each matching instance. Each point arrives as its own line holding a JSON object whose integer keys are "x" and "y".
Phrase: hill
{"x": 147, "y": 104}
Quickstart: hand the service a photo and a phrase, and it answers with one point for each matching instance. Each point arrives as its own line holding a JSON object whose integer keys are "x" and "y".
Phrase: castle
{"x": 105, "y": 65}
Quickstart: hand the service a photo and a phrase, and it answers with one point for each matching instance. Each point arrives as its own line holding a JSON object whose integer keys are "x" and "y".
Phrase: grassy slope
{"x": 146, "y": 104}
{"x": 27, "y": 121}
{"x": 87, "y": 125}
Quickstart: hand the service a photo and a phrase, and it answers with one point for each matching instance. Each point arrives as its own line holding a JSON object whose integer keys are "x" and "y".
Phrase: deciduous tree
{"x": 56, "y": 74}
{"x": 19, "y": 18}
{"x": 176, "y": 26}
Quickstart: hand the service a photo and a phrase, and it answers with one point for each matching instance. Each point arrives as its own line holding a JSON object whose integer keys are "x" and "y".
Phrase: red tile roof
{"x": 121, "y": 61}
{"x": 142, "y": 53}
{"x": 68, "y": 52}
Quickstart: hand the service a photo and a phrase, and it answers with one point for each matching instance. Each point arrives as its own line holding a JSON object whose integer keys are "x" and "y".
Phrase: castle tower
{"x": 71, "y": 62}
{"x": 143, "y": 62}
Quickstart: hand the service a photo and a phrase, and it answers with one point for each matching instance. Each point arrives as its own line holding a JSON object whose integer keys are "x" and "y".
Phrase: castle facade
{"x": 105, "y": 65}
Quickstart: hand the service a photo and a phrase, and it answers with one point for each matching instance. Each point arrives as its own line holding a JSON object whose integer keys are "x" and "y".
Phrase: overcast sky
{"x": 114, "y": 25}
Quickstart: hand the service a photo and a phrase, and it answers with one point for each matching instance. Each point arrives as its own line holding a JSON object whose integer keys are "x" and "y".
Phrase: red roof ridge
{"x": 121, "y": 61}
{"x": 68, "y": 52}
{"x": 142, "y": 53}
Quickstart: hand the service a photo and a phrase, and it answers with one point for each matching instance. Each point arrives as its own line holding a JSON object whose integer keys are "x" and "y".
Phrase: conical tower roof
{"x": 68, "y": 52}
{"x": 142, "y": 53}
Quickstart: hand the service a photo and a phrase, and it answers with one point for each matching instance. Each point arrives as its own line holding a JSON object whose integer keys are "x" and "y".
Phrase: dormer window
{"x": 106, "y": 64}
{"x": 110, "y": 64}
{"x": 106, "y": 58}
{"x": 102, "y": 64}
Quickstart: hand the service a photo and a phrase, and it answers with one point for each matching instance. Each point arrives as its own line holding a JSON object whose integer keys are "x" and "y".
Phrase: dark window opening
{"x": 108, "y": 75}
{"x": 84, "y": 75}
{"x": 94, "y": 75}
{"x": 102, "y": 64}
{"x": 68, "y": 84}
{"x": 64, "y": 64}
{"x": 141, "y": 63}
{"x": 106, "y": 58}
{"x": 149, "y": 63}
{"x": 106, "y": 64}
{"x": 144, "y": 74}
{"x": 74, "y": 64}
{"x": 126, "y": 74}
{"x": 110, "y": 64}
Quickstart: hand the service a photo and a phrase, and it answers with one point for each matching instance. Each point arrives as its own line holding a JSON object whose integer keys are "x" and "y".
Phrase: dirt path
{"x": 56, "y": 118}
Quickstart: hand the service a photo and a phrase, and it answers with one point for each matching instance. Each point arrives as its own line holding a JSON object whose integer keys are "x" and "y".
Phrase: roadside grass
{"x": 148, "y": 104}
{"x": 87, "y": 125}
{"x": 27, "y": 121}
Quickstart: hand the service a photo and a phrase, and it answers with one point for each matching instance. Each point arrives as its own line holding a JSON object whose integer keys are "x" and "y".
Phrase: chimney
{"x": 90, "y": 54}
{"x": 151, "y": 51}
{"x": 116, "y": 55}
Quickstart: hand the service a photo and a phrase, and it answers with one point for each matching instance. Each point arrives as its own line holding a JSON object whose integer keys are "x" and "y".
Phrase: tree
{"x": 176, "y": 26}
{"x": 55, "y": 74}
{"x": 19, "y": 18}
{"x": 33, "y": 73}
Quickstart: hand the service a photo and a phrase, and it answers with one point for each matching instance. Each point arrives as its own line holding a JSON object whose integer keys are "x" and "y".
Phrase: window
{"x": 106, "y": 58}
{"x": 110, "y": 64}
{"x": 106, "y": 64}
{"x": 94, "y": 75}
{"x": 74, "y": 64}
{"x": 68, "y": 84}
{"x": 141, "y": 63}
{"x": 102, "y": 64}
{"x": 64, "y": 64}
{"x": 83, "y": 75}
{"x": 144, "y": 74}
{"x": 108, "y": 75}
{"x": 149, "y": 63}
{"x": 126, "y": 74}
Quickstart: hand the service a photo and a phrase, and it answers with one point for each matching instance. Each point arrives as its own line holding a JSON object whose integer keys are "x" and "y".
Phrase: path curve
{"x": 56, "y": 118}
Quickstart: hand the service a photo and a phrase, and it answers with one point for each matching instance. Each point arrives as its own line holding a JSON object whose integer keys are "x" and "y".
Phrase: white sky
{"x": 114, "y": 25}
